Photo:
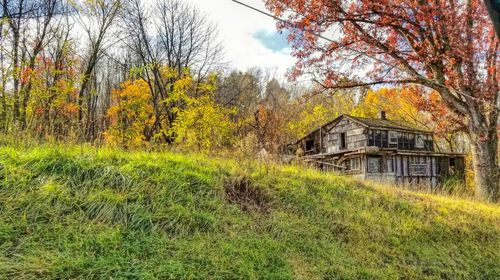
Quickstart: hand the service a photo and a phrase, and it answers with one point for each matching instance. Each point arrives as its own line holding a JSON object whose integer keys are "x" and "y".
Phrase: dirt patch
{"x": 242, "y": 191}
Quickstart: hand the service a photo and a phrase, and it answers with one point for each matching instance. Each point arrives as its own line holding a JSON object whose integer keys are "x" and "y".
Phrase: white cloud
{"x": 238, "y": 27}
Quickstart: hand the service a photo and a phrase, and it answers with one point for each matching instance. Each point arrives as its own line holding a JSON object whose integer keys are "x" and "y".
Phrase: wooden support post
{"x": 320, "y": 139}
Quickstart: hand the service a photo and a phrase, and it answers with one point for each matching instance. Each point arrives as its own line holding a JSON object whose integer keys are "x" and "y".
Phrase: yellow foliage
{"x": 316, "y": 111}
{"x": 398, "y": 103}
{"x": 201, "y": 123}
{"x": 192, "y": 118}
{"x": 131, "y": 114}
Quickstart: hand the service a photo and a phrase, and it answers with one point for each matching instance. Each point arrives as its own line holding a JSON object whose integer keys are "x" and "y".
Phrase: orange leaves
{"x": 132, "y": 93}
{"x": 69, "y": 108}
{"x": 412, "y": 104}
{"x": 132, "y": 101}
{"x": 25, "y": 75}
{"x": 447, "y": 41}
{"x": 262, "y": 113}
{"x": 131, "y": 114}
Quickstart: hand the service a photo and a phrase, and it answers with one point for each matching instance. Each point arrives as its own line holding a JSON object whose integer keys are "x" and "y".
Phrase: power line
{"x": 282, "y": 20}
{"x": 315, "y": 34}
{"x": 353, "y": 50}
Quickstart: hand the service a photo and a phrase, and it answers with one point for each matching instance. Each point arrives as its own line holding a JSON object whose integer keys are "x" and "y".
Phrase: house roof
{"x": 374, "y": 123}
{"x": 385, "y": 123}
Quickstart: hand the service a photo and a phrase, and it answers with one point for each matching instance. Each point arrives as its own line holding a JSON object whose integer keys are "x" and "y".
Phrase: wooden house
{"x": 379, "y": 149}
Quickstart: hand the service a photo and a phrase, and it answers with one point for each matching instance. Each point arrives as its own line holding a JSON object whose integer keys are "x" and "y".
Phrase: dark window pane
{"x": 343, "y": 141}
{"x": 374, "y": 164}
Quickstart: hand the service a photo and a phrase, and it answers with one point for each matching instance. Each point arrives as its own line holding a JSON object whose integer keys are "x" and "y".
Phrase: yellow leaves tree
{"x": 316, "y": 110}
{"x": 201, "y": 123}
{"x": 198, "y": 123}
{"x": 311, "y": 117}
{"x": 399, "y": 103}
{"x": 130, "y": 115}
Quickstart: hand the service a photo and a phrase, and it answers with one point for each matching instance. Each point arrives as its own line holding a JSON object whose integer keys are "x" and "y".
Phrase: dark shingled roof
{"x": 374, "y": 123}
{"x": 384, "y": 123}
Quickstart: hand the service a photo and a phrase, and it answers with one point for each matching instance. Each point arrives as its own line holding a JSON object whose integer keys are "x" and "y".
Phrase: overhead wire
{"x": 352, "y": 49}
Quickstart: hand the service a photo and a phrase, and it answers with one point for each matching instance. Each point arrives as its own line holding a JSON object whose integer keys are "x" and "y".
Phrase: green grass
{"x": 107, "y": 214}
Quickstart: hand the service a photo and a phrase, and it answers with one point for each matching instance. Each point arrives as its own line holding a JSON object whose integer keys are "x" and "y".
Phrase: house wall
{"x": 356, "y": 136}
{"x": 313, "y": 138}
{"x": 422, "y": 171}
{"x": 415, "y": 169}
{"x": 328, "y": 138}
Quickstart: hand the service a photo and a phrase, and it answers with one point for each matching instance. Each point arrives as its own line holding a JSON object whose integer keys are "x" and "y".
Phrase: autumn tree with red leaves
{"x": 446, "y": 46}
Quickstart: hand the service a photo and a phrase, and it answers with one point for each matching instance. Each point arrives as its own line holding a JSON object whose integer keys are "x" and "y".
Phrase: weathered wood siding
{"x": 437, "y": 168}
{"x": 356, "y": 136}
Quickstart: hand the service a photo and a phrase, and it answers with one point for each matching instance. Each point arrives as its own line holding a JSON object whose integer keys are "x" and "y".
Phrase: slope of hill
{"x": 65, "y": 214}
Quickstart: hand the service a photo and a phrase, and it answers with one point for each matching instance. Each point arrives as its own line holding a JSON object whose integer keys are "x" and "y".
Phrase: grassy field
{"x": 106, "y": 214}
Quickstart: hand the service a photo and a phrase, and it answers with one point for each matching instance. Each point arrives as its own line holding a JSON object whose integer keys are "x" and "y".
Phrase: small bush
{"x": 455, "y": 186}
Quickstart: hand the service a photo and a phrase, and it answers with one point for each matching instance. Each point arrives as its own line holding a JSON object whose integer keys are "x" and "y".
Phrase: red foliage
{"x": 448, "y": 46}
{"x": 445, "y": 120}
{"x": 25, "y": 75}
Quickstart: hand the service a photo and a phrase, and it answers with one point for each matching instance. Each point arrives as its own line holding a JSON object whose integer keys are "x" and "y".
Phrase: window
{"x": 429, "y": 143}
{"x": 393, "y": 137}
{"x": 418, "y": 169}
{"x": 378, "y": 138}
{"x": 385, "y": 137}
{"x": 411, "y": 140}
{"x": 452, "y": 166}
{"x": 309, "y": 145}
{"x": 390, "y": 165}
{"x": 402, "y": 137}
{"x": 355, "y": 163}
{"x": 343, "y": 139}
{"x": 419, "y": 141}
{"x": 406, "y": 141}
{"x": 418, "y": 166}
{"x": 374, "y": 164}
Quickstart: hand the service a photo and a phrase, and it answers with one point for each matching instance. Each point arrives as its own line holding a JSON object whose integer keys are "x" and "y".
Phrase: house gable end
{"x": 346, "y": 134}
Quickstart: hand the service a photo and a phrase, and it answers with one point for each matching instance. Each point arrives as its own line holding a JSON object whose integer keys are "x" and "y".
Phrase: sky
{"x": 250, "y": 39}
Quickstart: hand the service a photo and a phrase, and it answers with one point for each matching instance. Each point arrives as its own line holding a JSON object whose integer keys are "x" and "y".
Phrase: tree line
{"x": 60, "y": 61}
{"x": 136, "y": 73}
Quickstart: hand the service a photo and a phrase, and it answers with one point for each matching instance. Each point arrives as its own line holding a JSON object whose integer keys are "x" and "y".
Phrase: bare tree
{"x": 45, "y": 31}
{"x": 3, "y": 83}
{"x": 174, "y": 34}
{"x": 60, "y": 52}
{"x": 186, "y": 38}
{"x": 15, "y": 13}
{"x": 96, "y": 18}
{"x": 239, "y": 90}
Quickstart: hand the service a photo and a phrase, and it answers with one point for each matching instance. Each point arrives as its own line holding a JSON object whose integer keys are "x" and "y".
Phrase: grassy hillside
{"x": 65, "y": 213}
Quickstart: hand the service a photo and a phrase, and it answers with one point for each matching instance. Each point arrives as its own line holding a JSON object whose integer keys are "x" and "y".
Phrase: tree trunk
{"x": 494, "y": 12}
{"x": 485, "y": 165}
{"x": 3, "y": 97}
